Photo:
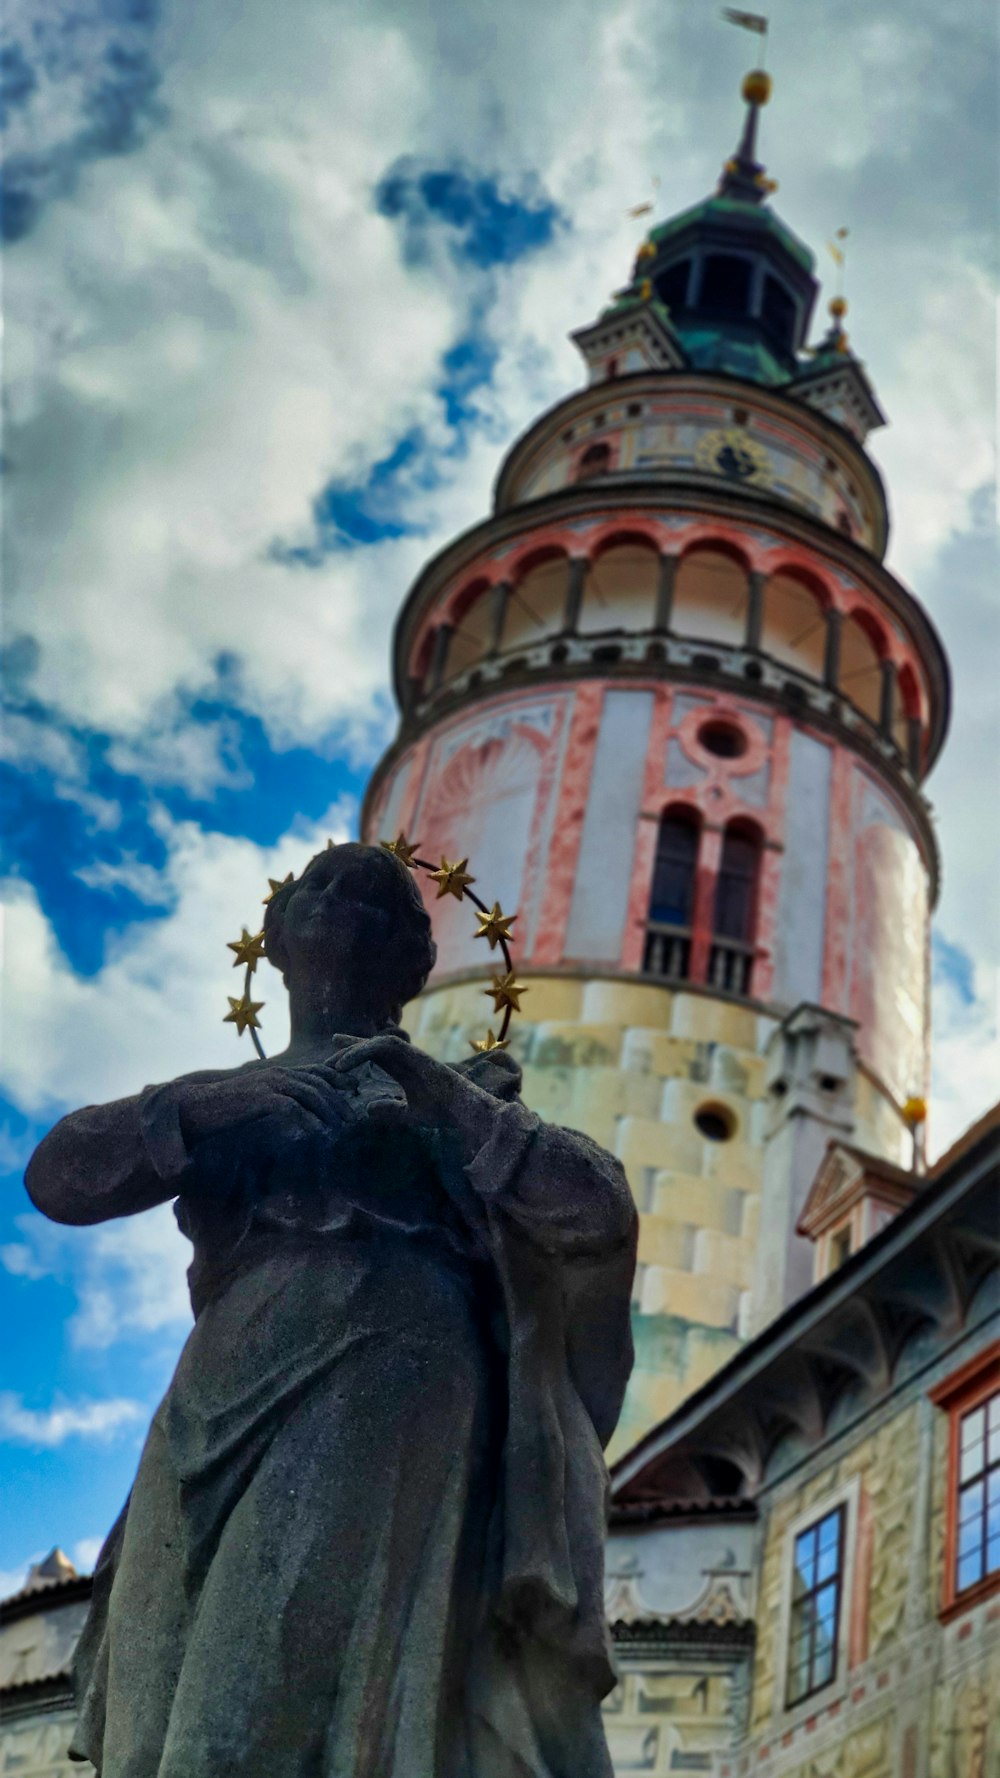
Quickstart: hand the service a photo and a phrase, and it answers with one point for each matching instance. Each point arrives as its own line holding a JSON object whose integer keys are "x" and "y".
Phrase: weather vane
{"x": 452, "y": 878}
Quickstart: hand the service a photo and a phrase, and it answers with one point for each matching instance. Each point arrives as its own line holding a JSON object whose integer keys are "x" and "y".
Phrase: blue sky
{"x": 275, "y": 304}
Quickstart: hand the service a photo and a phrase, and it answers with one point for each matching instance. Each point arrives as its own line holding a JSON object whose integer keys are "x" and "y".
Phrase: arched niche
{"x": 710, "y": 597}
{"x": 471, "y": 620}
{"x": 862, "y": 647}
{"x": 620, "y": 589}
{"x": 596, "y": 459}
{"x": 536, "y": 606}
{"x": 794, "y": 623}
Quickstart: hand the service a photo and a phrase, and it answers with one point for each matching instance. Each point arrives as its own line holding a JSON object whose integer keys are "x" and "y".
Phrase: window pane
{"x": 823, "y": 1667}
{"x": 972, "y": 1461}
{"x": 970, "y": 1502}
{"x": 993, "y": 1409}
{"x": 973, "y": 1426}
{"x": 829, "y": 1531}
{"x": 993, "y": 1487}
{"x": 993, "y": 1555}
{"x": 993, "y": 1451}
{"x": 673, "y": 872}
{"x": 970, "y": 1536}
{"x": 826, "y": 1609}
{"x": 970, "y": 1569}
{"x": 993, "y": 1518}
{"x": 829, "y": 1561}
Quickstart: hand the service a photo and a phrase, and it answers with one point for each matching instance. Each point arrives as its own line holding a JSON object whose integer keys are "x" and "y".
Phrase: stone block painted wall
{"x": 630, "y": 1063}
{"x": 916, "y": 1697}
{"x": 37, "y": 1746}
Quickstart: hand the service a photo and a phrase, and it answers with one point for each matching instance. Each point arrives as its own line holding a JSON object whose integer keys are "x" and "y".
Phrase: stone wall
{"x": 630, "y": 1064}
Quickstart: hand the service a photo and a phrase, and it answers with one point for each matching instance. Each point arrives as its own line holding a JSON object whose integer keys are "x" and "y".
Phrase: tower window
{"x": 778, "y": 311}
{"x": 672, "y": 287}
{"x": 731, "y": 959}
{"x": 817, "y": 1591}
{"x": 596, "y": 460}
{"x": 716, "y": 1122}
{"x": 671, "y": 902}
{"x": 723, "y": 739}
{"x": 725, "y": 285}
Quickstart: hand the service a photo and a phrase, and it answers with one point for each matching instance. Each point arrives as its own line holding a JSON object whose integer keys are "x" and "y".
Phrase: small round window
{"x": 716, "y": 1122}
{"x": 723, "y": 739}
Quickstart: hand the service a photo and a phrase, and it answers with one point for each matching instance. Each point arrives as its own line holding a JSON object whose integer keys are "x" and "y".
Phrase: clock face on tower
{"x": 730, "y": 451}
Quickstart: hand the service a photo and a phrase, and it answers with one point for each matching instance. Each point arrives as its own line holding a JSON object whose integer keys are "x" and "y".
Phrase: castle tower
{"x": 676, "y": 711}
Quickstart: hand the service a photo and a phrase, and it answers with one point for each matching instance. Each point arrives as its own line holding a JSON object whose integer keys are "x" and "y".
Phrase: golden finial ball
{"x": 838, "y": 307}
{"x": 915, "y": 1111}
{"x": 756, "y": 87}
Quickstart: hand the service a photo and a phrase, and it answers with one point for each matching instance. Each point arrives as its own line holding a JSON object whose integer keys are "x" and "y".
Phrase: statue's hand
{"x": 305, "y": 1099}
{"x": 435, "y": 1093}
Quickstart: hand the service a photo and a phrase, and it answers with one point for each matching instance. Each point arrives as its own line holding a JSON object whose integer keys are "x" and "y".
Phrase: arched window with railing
{"x": 470, "y": 618}
{"x": 734, "y": 918}
{"x": 795, "y": 622}
{"x": 670, "y": 922}
{"x": 536, "y": 607}
{"x": 710, "y": 597}
{"x": 620, "y": 589}
{"x": 862, "y": 650}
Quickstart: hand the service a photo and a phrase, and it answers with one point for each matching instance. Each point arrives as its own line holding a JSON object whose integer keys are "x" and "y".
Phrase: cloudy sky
{"x": 281, "y": 282}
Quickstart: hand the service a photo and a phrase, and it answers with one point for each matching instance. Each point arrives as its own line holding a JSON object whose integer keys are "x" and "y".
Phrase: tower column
{"x": 576, "y": 581}
{"x": 663, "y": 610}
{"x": 498, "y": 613}
{"x": 755, "y": 611}
{"x": 831, "y": 655}
{"x": 887, "y": 699}
{"x": 439, "y": 657}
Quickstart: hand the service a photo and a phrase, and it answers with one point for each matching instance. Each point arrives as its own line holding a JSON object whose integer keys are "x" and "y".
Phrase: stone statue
{"x": 365, "y": 1539}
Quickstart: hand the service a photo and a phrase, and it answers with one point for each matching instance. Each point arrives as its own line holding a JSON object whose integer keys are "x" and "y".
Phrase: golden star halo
{"x": 494, "y": 925}
{"x": 400, "y": 848}
{"x": 243, "y": 1014}
{"x": 249, "y": 950}
{"x": 506, "y": 991}
{"x": 276, "y": 883}
{"x": 451, "y": 879}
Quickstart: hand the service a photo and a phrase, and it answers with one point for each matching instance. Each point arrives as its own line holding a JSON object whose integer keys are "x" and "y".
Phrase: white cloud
{"x": 46, "y": 1428}
{"x": 13, "y": 1579}
{"x": 85, "y": 1553}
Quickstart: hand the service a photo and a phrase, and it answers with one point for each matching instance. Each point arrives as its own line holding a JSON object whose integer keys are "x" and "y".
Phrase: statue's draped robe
{"x": 365, "y": 1539}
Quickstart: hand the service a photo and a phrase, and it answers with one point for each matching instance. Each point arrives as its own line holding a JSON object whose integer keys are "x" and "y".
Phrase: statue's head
{"x": 354, "y": 915}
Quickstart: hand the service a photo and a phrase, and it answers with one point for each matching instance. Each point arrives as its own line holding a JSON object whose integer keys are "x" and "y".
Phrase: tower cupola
{"x": 737, "y": 283}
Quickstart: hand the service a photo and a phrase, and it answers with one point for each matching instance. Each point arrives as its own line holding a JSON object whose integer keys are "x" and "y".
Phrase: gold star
{"x": 506, "y": 991}
{"x": 489, "y": 1042}
{"x": 400, "y": 848}
{"x": 243, "y": 1014}
{"x": 248, "y": 950}
{"x": 276, "y": 883}
{"x": 451, "y": 879}
{"x": 494, "y": 925}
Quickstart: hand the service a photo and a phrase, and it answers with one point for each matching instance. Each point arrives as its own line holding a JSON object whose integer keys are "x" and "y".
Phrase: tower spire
{"x": 743, "y": 176}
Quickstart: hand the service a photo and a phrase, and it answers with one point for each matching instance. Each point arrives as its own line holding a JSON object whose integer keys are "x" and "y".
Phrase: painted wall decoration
{"x": 488, "y": 795}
